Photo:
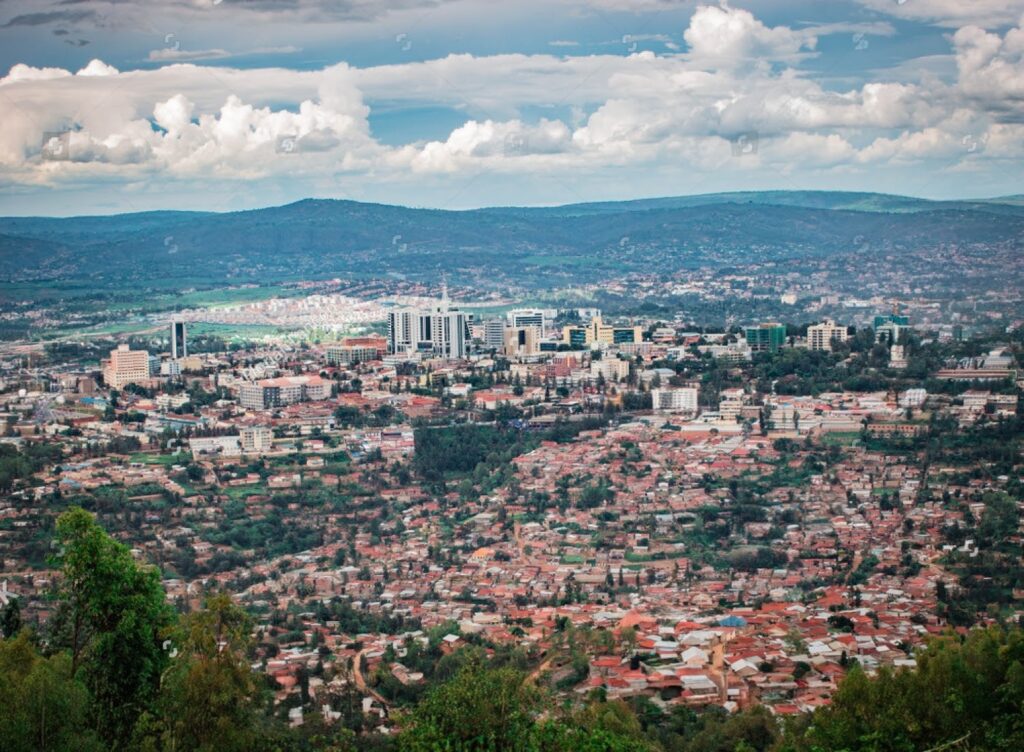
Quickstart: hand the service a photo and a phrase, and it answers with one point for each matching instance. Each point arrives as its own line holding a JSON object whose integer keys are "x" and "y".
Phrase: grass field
{"x": 240, "y": 493}
{"x": 841, "y": 439}
{"x": 181, "y": 458}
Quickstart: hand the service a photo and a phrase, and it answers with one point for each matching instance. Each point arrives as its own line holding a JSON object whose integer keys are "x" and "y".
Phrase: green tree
{"x": 42, "y": 707}
{"x": 208, "y": 695}
{"x": 112, "y": 616}
{"x": 972, "y": 688}
{"x": 479, "y": 709}
{"x": 10, "y": 618}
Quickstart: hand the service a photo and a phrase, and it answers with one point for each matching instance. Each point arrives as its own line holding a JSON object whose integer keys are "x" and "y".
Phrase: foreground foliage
{"x": 116, "y": 669}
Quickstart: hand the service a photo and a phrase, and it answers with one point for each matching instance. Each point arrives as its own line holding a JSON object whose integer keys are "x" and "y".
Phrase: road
{"x": 360, "y": 680}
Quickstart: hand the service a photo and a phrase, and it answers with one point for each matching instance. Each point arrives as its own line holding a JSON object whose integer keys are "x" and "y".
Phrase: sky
{"x": 134, "y": 105}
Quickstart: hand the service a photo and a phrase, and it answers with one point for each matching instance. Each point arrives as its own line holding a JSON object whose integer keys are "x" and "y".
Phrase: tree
{"x": 10, "y": 618}
{"x": 479, "y": 709}
{"x": 42, "y": 707}
{"x": 113, "y": 615}
{"x": 208, "y": 695}
{"x": 973, "y": 687}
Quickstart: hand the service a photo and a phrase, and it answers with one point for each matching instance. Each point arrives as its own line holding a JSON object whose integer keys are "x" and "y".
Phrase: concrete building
{"x": 527, "y": 317}
{"x": 346, "y": 355}
{"x": 579, "y": 337}
{"x": 521, "y": 341}
{"x": 441, "y": 331}
{"x": 676, "y": 400}
{"x": 821, "y": 336}
{"x": 494, "y": 334}
{"x": 610, "y": 369}
{"x": 890, "y": 328}
{"x": 913, "y": 398}
{"x": 766, "y": 337}
{"x": 125, "y": 366}
{"x": 256, "y": 438}
{"x": 286, "y": 390}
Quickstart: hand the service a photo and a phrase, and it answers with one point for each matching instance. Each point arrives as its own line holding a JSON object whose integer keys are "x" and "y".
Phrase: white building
{"x": 611, "y": 369}
{"x": 228, "y": 446}
{"x": 286, "y": 390}
{"x": 441, "y": 331}
{"x": 913, "y": 398}
{"x": 256, "y": 438}
{"x": 678, "y": 400}
{"x": 527, "y": 317}
{"x": 494, "y": 334}
{"x": 125, "y": 366}
{"x": 821, "y": 336}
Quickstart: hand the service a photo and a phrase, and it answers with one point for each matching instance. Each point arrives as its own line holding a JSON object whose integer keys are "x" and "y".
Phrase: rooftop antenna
{"x": 444, "y": 293}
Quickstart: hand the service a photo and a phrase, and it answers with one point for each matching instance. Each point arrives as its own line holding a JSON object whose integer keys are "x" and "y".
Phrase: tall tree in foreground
{"x": 42, "y": 708}
{"x": 965, "y": 693}
{"x": 486, "y": 709}
{"x": 208, "y": 695}
{"x": 112, "y": 618}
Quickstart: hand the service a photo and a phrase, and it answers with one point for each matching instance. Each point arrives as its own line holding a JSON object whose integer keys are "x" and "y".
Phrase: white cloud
{"x": 728, "y": 37}
{"x": 193, "y": 122}
{"x": 991, "y": 67}
{"x": 952, "y": 13}
{"x": 97, "y": 68}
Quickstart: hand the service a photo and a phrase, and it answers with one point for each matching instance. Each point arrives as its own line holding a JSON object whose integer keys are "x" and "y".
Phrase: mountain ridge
{"x": 536, "y": 246}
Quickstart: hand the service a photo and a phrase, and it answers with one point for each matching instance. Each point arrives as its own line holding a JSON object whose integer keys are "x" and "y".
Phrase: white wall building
{"x": 821, "y": 336}
{"x": 678, "y": 400}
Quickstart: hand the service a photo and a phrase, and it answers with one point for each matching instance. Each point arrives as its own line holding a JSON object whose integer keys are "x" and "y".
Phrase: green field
{"x": 240, "y": 493}
{"x": 850, "y": 438}
{"x": 181, "y": 458}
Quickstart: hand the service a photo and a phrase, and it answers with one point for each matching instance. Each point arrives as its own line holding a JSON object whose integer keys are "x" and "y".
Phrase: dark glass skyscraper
{"x": 179, "y": 347}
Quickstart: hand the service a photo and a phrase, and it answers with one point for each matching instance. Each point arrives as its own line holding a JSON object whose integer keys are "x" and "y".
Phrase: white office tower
{"x": 449, "y": 331}
{"x": 494, "y": 334}
{"x": 441, "y": 331}
{"x": 522, "y": 317}
{"x": 402, "y": 326}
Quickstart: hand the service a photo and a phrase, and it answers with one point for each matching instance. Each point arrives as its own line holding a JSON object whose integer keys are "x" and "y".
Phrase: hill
{"x": 317, "y": 238}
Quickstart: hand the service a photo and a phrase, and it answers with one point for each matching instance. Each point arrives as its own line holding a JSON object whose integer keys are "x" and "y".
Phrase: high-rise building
{"x": 598, "y": 331}
{"x": 766, "y": 337}
{"x": 179, "y": 345}
{"x": 494, "y": 334}
{"x": 521, "y": 341}
{"x": 821, "y": 336}
{"x": 125, "y": 366}
{"x": 527, "y": 317}
{"x": 402, "y": 330}
{"x": 890, "y": 328}
{"x": 441, "y": 330}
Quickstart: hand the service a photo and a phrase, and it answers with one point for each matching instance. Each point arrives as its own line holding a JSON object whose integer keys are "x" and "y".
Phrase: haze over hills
{"x": 321, "y": 237}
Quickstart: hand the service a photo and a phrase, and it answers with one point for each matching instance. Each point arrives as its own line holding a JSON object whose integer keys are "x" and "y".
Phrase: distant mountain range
{"x": 319, "y": 238}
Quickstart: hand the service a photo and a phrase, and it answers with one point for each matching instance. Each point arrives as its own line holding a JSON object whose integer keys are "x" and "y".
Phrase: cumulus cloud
{"x": 193, "y": 122}
{"x": 952, "y": 13}
{"x": 991, "y": 67}
{"x": 723, "y": 36}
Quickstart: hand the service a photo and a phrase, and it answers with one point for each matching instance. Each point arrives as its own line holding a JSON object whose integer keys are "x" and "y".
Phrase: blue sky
{"x": 131, "y": 105}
